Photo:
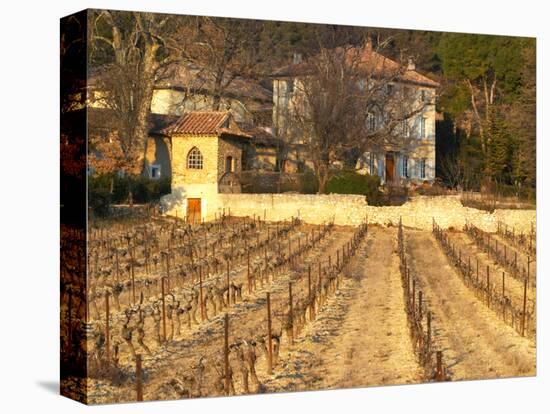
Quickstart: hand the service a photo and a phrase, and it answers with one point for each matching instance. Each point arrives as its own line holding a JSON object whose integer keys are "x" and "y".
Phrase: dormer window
{"x": 194, "y": 159}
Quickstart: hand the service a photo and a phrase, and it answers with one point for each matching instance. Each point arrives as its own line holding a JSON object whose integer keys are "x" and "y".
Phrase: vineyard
{"x": 243, "y": 305}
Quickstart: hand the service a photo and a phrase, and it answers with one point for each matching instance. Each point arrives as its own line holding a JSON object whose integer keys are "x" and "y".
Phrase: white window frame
{"x": 406, "y": 129}
{"x": 405, "y": 166}
{"x": 422, "y": 128}
{"x": 153, "y": 167}
{"x": 195, "y": 159}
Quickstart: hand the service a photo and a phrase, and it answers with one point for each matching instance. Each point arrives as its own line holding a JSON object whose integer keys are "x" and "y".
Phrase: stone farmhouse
{"x": 207, "y": 152}
{"x": 408, "y": 157}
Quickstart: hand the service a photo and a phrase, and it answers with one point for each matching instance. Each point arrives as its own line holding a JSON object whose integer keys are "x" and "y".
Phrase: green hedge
{"x": 350, "y": 182}
{"x": 144, "y": 190}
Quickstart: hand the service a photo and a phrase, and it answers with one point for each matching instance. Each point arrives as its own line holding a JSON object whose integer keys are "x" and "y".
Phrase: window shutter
{"x": 400, "y": 166}
{"x": 367, "y": 161}
{"x": 413, "y": 166}
{"x": 418, "y": 127}
{"x": 381, "y": 166}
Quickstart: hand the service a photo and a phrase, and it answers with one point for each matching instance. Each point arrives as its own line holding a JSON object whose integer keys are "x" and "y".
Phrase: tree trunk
{"x": 477, "y": 116}
{"x": 150, "y": 67}
{"x": 322, "y": 177}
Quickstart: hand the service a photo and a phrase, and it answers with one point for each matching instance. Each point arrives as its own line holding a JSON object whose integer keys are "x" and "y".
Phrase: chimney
{"x": 410, "y": 64}
{"x": 296, "y": 58}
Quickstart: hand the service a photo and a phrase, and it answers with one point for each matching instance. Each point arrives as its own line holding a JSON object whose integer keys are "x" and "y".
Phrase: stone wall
{"x": 448, "y": 212}
{"x": 352, "y": 210}
{"x": 315, "y": 209}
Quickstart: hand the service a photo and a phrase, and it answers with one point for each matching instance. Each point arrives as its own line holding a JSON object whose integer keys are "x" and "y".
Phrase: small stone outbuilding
{"x": 207, "y": 159}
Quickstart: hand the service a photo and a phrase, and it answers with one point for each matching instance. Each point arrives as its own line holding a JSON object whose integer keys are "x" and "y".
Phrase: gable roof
{"x": 191, "y": 77}
{"x": 367, "y": 59}
{"x": 205, "y": 123}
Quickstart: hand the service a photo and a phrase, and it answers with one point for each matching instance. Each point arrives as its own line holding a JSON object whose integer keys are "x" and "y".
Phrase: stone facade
{"x": 181, "y": 146}
{"x": 228, "y": 147}
{"x": 158, "y": 156}
{"x": 408, "y": 156}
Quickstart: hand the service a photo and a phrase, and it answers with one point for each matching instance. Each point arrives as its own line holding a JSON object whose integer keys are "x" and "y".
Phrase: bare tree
{"x": 223, "y": 50}
{"x": 128, "y": 52}
{"x": 349, "y": 99}
{"x": 453, "y": 170}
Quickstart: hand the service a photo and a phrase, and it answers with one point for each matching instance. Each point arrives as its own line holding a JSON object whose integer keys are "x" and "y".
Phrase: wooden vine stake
{"x": 228, "y": 286}
{"x": 439, "y": 356}
{"x": 269, "y": 339}
{"x": 227, "y": 374}
{"x": 524, "y": 307}
{"x": 291, "y": 313}
{"x": 429, "y": 328}
{"x": 107, "y": 328}
{"x": 310, "y": 299}
{"x": 133, "y": 278}
{"x": 162, "y": 282}
{"x": 139, "y": 379}
{"x": 248, "y": 271}
{"x": 201, "y": 297}
{"x": 488, "y": 287}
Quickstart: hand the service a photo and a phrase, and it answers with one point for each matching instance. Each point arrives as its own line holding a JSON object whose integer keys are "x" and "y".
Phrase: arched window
{"x": 194, "y": 159}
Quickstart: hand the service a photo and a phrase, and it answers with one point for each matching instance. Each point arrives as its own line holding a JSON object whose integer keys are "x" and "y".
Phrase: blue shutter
{"x": 381, "y": 166}
{"x": 400, "y": 166}
{"x": 365, "y": 162}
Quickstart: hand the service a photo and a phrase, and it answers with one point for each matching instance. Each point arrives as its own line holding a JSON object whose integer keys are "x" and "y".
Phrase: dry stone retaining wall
{"x": 352, "y": 210}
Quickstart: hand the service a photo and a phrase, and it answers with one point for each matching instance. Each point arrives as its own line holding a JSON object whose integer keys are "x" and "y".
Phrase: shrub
{"x": 144, "y": 190}
{"x": 100, "y": 201}
{"x": 350, "y": 182}
{"x": 309, "y": 183}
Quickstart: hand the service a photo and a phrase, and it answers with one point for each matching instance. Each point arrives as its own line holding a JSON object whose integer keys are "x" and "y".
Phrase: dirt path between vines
{"x": 361, "y": 338}
{"x": 476, "y": 343}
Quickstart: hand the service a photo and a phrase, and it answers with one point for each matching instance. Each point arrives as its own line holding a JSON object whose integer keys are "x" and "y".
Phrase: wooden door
{"x": 390, "y": 168}
{"x": 193, "y": 210}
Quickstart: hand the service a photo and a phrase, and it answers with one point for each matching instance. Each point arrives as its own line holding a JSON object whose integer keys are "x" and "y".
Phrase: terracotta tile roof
{"x": 190, "y": 77}
{"x": 368, "y": 60}
{"x": 204, "y": 123}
